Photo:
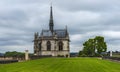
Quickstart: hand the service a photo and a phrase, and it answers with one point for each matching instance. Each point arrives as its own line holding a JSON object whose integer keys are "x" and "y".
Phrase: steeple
{"x": 51, "y": 24}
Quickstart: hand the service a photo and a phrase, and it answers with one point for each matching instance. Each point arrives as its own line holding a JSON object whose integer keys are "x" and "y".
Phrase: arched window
{"x": 48, "y": 46}
{"x": 39, "y": 46}
{"x": 60, "y": 46}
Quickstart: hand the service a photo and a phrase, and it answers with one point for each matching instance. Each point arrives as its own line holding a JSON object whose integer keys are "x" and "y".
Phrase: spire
{"x": 51, "y": 24}
{"x": 66, "y": 31}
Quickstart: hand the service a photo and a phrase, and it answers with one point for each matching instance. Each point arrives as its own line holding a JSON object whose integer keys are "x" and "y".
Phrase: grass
{"x": 62, "y": 65}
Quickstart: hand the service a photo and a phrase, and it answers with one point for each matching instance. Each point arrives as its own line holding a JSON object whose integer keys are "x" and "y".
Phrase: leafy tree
{"x": 14, "y": 54}
{"x": 93, "y": 46}
{"x": 100, "y": 44}
{"x": 89, "y": 48}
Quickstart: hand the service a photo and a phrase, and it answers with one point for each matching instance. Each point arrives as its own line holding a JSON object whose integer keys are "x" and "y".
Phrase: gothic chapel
{"x": 54, "y": 42}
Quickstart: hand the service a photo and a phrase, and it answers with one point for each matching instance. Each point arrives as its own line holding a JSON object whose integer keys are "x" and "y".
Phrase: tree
{"x": 14, "y": 54}
{"x": 94, "y": 46}
{"x": 89, "y": 48}
{"x": 100, "y": 44}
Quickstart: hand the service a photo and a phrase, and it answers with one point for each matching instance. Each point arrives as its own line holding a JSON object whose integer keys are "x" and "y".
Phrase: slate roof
{"x": 62, "y": 33}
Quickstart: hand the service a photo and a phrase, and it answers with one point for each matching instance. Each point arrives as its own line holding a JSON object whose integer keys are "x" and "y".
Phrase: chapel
{"x": 51, "y": 41}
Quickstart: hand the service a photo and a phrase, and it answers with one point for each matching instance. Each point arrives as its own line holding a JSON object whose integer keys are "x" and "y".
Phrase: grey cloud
{"x": 19, "y": 19}
{"x": 94, "y": 5}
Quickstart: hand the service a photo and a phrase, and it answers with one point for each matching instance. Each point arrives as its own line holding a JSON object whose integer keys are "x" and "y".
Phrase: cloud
{"x": 94, "y": 5}
{"x": 85, "y": 19}
{"x": 112, "y": 34}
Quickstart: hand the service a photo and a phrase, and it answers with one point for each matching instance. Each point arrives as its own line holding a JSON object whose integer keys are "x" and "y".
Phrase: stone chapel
{"x": 54, "y": 42}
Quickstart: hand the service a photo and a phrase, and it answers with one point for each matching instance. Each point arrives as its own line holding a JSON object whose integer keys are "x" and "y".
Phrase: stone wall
{"x": 54, "y": 47}
{"x": 55, "y": 53}
{"x": 6, "y": 58}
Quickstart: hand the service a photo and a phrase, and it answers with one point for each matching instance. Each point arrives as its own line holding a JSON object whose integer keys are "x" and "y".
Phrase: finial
{"x": 51, "y": 3}
{"x": 66, "y": 27}
{"x": 66, "y": 30}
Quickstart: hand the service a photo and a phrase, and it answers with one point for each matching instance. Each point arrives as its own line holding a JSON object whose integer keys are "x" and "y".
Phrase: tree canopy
{"x": 14, "y": 54}
{"x": 93, "y": 47}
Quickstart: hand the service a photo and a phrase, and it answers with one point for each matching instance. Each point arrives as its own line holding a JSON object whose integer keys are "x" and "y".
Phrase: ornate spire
{"x": 51, "y": 24}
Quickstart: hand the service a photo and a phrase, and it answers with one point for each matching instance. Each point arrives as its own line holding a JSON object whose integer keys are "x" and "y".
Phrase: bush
{"x": 60, "y": 55}
{"x": 82, "y": 55}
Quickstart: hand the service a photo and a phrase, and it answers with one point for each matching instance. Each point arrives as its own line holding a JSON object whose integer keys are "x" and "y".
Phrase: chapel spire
{"x": 51, "y": 24}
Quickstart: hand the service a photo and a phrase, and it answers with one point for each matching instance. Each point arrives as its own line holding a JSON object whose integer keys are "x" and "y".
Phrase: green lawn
{"x": 62, "y": 65}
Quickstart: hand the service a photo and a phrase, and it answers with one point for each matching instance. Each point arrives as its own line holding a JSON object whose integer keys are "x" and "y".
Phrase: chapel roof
{"x": 60, "y": 33}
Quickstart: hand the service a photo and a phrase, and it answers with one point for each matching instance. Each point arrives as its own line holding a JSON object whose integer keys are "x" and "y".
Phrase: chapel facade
{"x": 54, "y": 42}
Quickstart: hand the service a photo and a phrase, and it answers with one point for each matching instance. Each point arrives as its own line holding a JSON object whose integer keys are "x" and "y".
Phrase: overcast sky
{"x": 20, "y": 19}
